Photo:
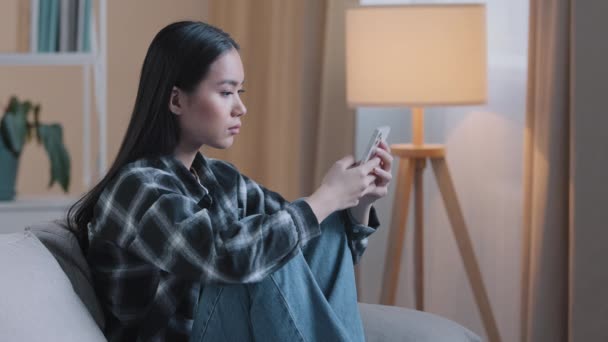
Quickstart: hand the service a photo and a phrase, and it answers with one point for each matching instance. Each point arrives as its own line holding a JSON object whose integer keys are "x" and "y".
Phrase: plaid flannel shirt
{"x": 158, "y": 233}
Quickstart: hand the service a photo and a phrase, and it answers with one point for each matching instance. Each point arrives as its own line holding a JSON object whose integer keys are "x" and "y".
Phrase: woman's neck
{"x": 185, "y": 155}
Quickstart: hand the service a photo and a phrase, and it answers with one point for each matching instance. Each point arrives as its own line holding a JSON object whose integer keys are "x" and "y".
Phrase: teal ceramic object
{"x": 8, "y": 173}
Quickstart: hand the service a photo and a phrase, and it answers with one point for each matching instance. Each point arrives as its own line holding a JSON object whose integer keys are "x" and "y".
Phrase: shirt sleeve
{"x": 261, "y": 200}
{"x": 176, "y": 235}
{"x": 256, "y": 199}
{"x": 358, "y": 233}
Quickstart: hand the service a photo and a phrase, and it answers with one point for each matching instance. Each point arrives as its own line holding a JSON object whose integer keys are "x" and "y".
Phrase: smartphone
{"x": 380, "y": 134}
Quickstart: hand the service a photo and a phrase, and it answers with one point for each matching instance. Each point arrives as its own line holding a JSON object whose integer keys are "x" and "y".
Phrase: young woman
{"x": 184, "y": 247}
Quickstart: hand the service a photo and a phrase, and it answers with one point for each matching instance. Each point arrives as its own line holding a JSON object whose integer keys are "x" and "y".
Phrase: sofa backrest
{"x": 62, "y": 243}
{"x": 37, "y": 299}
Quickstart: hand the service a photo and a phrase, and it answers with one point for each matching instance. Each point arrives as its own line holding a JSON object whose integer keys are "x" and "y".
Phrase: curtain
{"x": 547, "y": 197}
{"x": 336, "y": 123}
{"x": 297, "y": 123}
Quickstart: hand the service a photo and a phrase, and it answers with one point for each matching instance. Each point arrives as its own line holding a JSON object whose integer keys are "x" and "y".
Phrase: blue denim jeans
{"x": 311, "y": 298}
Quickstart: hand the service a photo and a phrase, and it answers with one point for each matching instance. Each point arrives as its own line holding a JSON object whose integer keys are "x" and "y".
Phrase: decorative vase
{"x": 8, "y": 173}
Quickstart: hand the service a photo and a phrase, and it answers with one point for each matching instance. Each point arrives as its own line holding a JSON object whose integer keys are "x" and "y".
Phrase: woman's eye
{"x": 226, "y": 93}
{"x": 241, "y": 91}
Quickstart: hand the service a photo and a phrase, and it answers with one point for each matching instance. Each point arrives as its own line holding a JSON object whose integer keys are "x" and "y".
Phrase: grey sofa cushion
{"x": 62, "y": 243}
{"x": 36, "y": 298}
{"x": 390, "y": 323}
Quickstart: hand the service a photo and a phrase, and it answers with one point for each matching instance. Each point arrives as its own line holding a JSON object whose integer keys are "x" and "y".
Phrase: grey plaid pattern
{"x": 158, "y": 234}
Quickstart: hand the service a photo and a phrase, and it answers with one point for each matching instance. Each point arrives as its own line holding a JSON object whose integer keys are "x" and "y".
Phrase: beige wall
{"x": 131, "y": 26}
{"x": 8, "y": 25}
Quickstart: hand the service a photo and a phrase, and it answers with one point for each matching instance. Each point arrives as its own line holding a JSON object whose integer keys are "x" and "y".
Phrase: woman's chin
{"x": 223, "y": 144}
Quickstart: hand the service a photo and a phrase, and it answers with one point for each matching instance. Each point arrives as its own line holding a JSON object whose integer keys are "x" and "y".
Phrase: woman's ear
{"x": 176, "y": 100}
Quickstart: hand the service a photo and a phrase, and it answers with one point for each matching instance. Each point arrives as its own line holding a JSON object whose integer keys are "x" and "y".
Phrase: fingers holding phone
{"x": 383, "y": 171}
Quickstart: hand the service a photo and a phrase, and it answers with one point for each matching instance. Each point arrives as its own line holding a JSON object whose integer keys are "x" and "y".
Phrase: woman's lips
{"x": 234, "y": 129}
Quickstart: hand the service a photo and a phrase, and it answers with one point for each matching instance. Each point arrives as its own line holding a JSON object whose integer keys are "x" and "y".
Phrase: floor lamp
{"x": 420, "y": 56}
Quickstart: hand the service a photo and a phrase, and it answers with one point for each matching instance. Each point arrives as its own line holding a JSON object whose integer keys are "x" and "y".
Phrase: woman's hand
{"x": 383, "y": 175}
{"x": 343, "y": 186}
{"x": 379, "y": 188}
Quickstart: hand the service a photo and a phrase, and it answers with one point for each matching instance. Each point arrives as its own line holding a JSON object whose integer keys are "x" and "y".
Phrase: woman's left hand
{"x": 379, "y": 188}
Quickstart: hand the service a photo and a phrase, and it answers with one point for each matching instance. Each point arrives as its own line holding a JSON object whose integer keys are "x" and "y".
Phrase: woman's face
{"x": 211, "y": 114}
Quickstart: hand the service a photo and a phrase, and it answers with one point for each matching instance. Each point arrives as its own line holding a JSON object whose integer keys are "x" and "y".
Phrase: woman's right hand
{"x": 342, "y": 187}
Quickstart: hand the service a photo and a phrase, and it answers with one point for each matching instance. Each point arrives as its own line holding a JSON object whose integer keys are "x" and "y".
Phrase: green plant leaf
{"x": 13, "y": 102}
{"x": 24, "y": 109}
{"x": 52, "y": 139}
{"x": 36, "y": 121}
{"x": 13, "y": 128}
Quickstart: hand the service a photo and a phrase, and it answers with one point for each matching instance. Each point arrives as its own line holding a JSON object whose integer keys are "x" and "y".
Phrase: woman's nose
{"x": 239, "y": 109}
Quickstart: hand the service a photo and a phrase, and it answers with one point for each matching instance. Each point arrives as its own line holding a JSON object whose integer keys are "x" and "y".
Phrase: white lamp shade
{"x": 416, "y": 55}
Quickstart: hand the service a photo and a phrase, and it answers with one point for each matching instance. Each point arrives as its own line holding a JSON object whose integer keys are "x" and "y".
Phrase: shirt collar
{"x": 200, "y": 166}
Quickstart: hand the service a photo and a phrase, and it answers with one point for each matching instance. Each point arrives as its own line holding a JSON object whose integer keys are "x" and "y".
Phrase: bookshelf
{"x": 94, "y": 81}
{"x": 44, "y": 59}
{"x": 24, "y": 212}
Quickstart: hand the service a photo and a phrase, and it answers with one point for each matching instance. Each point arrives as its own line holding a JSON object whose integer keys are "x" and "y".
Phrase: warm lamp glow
{"x": 416, "y": 55}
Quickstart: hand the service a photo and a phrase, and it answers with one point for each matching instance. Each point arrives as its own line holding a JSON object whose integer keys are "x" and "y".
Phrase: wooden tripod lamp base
{"x": 413, "y": 162}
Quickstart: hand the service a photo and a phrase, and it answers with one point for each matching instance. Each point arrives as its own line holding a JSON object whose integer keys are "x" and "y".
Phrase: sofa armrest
{"x": 36, "y": 297}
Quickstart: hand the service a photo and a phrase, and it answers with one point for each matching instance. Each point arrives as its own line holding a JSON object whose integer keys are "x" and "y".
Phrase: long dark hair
{"x": 179, "y": 55}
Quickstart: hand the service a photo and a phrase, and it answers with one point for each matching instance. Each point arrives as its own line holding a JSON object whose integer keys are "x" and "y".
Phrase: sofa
{"x": 46, "y": 295}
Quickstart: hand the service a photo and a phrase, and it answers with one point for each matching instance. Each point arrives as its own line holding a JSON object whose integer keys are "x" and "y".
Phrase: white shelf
{"x": 27, "y": 211}
{"x": 47, "y": 58}
{"x": 51, "y": 203}
{"x": 94, "y": 77}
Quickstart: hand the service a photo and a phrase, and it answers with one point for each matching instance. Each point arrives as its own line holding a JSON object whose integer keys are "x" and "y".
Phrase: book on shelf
{"x": 55, "y": 25}
{"x": 68, "y": 25}
{"x": 43, "y": 17}
{"x": 85, "y": 25}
